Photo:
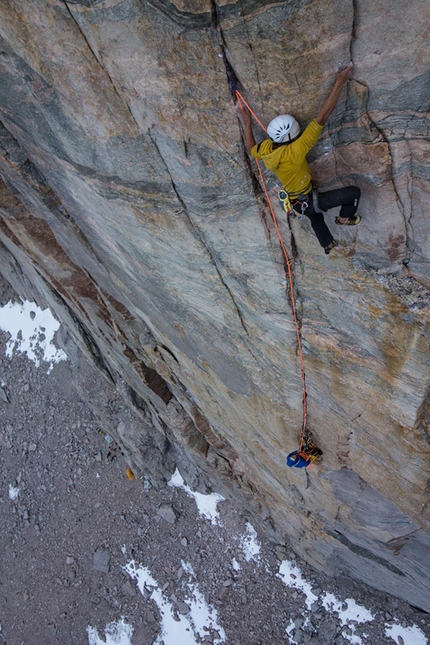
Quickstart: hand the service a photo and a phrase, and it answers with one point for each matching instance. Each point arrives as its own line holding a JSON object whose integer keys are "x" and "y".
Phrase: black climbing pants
{"x": 347, "y": 198}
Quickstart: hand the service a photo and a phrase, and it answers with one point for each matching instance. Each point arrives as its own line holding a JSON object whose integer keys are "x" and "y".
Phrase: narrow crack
{"x": 381, "y": 132}
{"x": 232, "y": 77}
{"x": 410, "y": 182}
{"x": 100, "y": 63}
{"x": 385, "y": 139}
{"x": 352, "y": 40}
{"x": 251, "y": 50}
{"x": 353, "y": 28}
{"x": 410, "y": 188}
{"x": 199, "y": 236}
{"x": 234, "y": 83}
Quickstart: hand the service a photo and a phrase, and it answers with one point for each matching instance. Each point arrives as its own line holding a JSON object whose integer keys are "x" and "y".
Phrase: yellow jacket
{"x": 288, "y": 161}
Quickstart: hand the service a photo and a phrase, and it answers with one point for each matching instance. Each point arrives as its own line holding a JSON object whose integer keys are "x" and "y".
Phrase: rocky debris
{"x": 73, "y": 511}
{"x": 412, "y": 292}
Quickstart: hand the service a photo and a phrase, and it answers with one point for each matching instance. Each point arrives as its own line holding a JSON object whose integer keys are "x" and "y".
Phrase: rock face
{"x": 130, "y": 207}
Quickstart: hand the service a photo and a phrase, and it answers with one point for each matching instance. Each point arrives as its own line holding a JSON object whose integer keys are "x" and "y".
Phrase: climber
{"x": 285, "y": 154}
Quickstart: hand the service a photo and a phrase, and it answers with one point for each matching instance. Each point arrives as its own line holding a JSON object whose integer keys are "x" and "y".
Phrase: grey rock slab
{"x": 183, "y": 608}
{"x": 167, "y": 513}
{"x": 327, "y": 630}
{"x": 298, "y": 636}
{"x": 128, "y": 589}
{"x": 101, "y": 560}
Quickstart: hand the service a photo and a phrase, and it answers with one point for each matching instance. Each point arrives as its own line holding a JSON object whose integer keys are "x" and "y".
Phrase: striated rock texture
{"x": 129, "y": 206}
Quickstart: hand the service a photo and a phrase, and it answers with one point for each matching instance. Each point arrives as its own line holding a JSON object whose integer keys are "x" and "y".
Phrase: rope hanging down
{"x": 307, "y": 452}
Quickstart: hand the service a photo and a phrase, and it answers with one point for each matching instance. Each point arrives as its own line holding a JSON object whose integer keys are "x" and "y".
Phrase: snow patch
{"x": 349, "y": 612}
{"x": 289, "y": 630}
{"x": 202, "y": 614}
{"x": 118, "y": 633}
{"x": 235, "y": 564}
{"x": 31, "y": 332}
{"x": 410, "y": 635}
{"x": 292, "y": 577}
{"x": 13, "y": 492}
{"x": 352, "y": 611}
{"x": 249, "y": 544}
{"x": 206, "y": 504}
{"x": 188, "y": 629}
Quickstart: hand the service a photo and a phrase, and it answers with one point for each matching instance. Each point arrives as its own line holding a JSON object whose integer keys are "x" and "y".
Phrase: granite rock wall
{"x": 129, "y": 206}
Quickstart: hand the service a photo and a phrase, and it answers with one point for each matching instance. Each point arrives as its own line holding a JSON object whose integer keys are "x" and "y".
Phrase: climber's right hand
{"x": 343, "y": 74}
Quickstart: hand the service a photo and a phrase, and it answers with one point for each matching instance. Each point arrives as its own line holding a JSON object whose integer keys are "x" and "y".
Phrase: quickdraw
{"x": 290, "y": 207}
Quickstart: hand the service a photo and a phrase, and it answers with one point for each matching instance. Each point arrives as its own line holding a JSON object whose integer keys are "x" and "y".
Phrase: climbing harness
{"x": 290, "y": 206}
{"x": 307, "y": 451}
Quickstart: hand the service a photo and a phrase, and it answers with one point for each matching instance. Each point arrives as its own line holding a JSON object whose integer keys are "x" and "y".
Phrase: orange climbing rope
{"x": 305, "y": 437}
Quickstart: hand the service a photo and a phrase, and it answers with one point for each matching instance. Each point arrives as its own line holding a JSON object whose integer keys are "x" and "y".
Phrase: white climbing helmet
{"x": 283, "y": 128}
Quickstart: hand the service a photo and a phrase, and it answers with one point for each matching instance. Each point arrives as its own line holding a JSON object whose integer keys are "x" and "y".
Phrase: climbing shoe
{"x": 331, "y": 246}
{"x": 285, "y": 203}
{"x": 352, "y": 221}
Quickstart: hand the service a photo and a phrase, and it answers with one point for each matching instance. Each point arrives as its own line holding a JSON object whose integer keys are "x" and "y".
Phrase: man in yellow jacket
{"x": 285, "y": 155}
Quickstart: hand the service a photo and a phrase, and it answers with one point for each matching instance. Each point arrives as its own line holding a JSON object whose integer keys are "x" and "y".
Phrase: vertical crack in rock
{"x": 199, "y": 235}
{"x": 410, "y": 181}
{"x": 100, "y": 63}
{"x": 248, "y": 38}
{"x": 386, "y": 140}
{"x": 232, "y": 78}
{"x": 353, "y": 29}
{"x": 422, "y": 420}
{"x": 409, "y": 189}
{"x": 384, "y": 137}
{"x": 234, "y": 83}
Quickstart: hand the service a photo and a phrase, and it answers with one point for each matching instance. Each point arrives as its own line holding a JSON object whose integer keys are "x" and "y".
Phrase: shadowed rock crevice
{"x": 423, "y": 416}
{"x": 365, "y": 553}
{"x": 218, "y": 443}
{"x": 156, "y": 383}
{"x": 91, "y": 348}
